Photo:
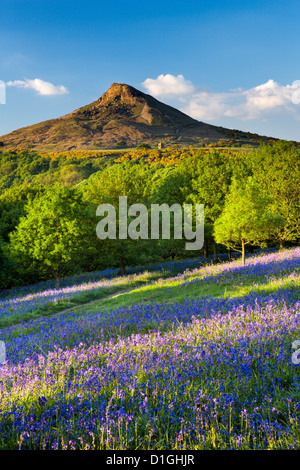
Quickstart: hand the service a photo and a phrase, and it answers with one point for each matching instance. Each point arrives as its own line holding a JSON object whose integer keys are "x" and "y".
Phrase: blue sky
{"x": 234, "y": 64}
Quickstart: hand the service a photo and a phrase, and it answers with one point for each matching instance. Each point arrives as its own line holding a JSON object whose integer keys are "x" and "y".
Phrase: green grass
{"x": 166, "y": 292}
{"x": 174, "y": 291}
{"x": 120, "y": 285}
{"x": 137, "y": 289}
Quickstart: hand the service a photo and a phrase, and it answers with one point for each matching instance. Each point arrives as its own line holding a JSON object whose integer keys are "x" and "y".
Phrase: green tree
{"x": 124, "y": 179}
{"x": 54, "y": 234}
{"x": 105, "y": 187}
{"x": 209, "y": 187}
{"x": 276, "y": 168}
{"x": 12, "y": 206}
{"x": 121, "y": 144}
{"x": 246, "y": 218}
{"x": 6, "y": 267}
{"x": 144, "y": 146}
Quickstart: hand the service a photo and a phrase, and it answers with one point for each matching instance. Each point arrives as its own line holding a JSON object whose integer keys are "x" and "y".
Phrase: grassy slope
{"x": 158, "y": 287}
{"x": 251, "y": 370}
{"x": 181, "y": 287}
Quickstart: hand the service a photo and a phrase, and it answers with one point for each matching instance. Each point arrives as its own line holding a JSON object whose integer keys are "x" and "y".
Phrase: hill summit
{"x": 124, "y": 116}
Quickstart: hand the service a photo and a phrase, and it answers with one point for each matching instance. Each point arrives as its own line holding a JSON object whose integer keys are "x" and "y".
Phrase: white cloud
{"x": 40, "y": 86}
{"x": 206, "y": 105}
{"x": 246, "y": 104}
{"x": 254, "y": 103}
{"x": 168, "y": 85}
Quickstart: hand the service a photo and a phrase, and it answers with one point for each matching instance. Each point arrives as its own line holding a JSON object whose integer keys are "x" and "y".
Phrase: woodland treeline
{"x": 48, "y": 205}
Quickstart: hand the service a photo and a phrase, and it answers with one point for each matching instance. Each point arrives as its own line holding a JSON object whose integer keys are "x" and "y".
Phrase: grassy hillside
{"x": 201, "y": 359}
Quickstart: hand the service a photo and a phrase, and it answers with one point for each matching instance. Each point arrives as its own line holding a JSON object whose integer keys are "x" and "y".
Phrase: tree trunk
{"x": 215, "y": 252}
{"x": 123, "y": 267}
{"x": 243, "y": 252}
{"x": 281, "y": 245}
{"x": 57, "y": 282}
{"x": 229, "y": 254}
{"x": 205, "y": 249}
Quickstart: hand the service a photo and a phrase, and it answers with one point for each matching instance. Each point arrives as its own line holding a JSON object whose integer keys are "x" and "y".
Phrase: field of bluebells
{"x": 202, "y": 372}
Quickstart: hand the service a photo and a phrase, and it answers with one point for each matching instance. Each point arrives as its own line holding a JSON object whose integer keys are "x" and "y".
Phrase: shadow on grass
{"x": 225, "y": 280}
{"x": 262, "y": 279}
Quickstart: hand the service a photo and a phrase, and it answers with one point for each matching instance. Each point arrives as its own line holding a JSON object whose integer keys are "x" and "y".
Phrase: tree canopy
{"x": 246, "y": 217}
{"x": 48, "y": 204}
{"x": 54, "y": 233}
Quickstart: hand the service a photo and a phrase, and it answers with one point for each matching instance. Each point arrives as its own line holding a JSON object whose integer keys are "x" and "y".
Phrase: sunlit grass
{"x": 23, "y": 309}
{"x": 165, "y": 292}
{"x": 182, "y": 288}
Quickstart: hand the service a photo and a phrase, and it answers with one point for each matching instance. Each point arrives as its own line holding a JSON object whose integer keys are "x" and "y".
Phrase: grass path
{"x": 193, "y": 285}
{"x": 116, "y": 294}
{"x": 217, "y": 281}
